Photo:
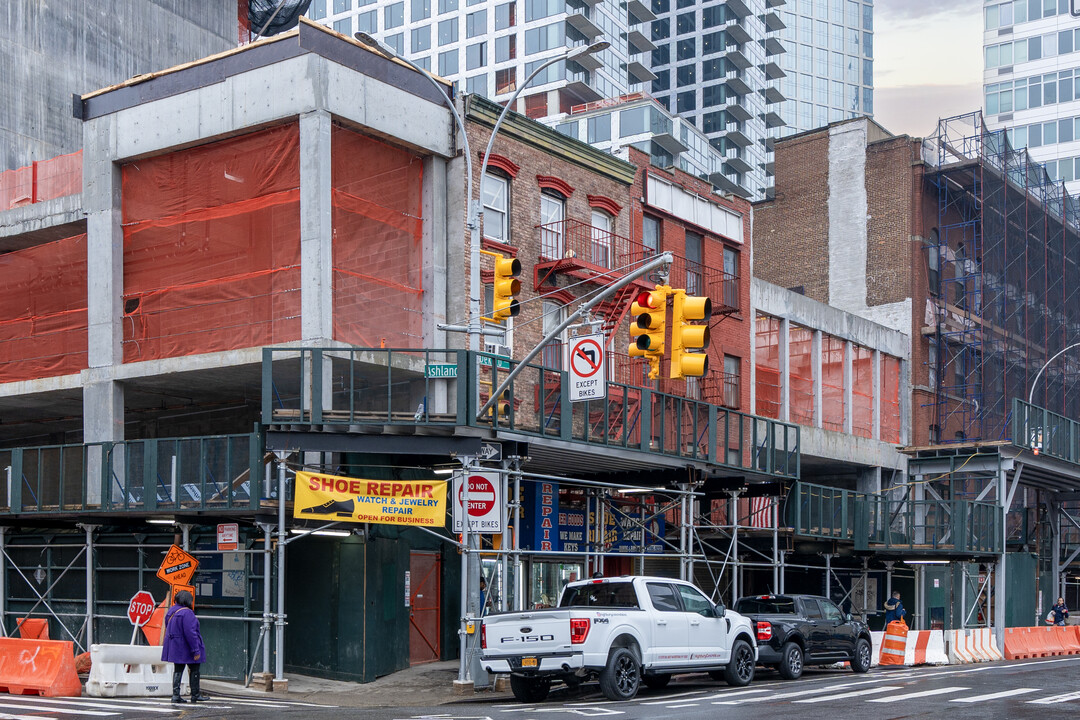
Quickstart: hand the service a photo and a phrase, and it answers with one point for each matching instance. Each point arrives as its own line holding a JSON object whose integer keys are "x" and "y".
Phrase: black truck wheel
{"x": 740, "y": 669}
{"x": 791, "y": 661}
{"x": 621, "y": 677}
{"x": 863, "y": 657}
{"x": 529, "y": 690}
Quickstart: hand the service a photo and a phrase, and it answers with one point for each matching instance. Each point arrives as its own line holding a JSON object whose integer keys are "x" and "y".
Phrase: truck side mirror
{"x": 720, "y": 610}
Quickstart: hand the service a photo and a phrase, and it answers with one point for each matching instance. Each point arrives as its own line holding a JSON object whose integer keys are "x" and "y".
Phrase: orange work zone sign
{"x": 178, "y": 567}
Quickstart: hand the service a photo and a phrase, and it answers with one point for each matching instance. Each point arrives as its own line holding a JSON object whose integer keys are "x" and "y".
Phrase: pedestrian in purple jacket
{"x": 183, "y": 646}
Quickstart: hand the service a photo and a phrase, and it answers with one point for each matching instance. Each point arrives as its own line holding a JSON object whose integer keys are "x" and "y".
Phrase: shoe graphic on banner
{"x": 341, "y": 508}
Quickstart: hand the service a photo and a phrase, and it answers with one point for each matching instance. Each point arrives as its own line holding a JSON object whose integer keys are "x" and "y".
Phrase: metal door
{"x": 424, "y": 611}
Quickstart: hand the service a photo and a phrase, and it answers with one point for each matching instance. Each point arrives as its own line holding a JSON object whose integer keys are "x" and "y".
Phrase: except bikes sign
{"x": 588, "y": 379}
{"x": 344, "y": 499}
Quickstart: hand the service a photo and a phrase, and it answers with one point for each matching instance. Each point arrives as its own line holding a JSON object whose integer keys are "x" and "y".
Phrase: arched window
{"x": 496, "y": 195}
{"x": 552, "y": 354}
{"x": 552, "y": 222}
{"x": 602, "y": 226}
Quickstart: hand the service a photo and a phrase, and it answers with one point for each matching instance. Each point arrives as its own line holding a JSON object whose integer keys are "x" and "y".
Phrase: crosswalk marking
{"x": 922, "y": 694}
{"x": 683, "y": 705}
{"x": 5, "y": 716}
{"x": 795, "y": 693}
{"x": 32, "y": 702}
{"x": 853, "y": 693}
{"x": 1054, "y": 699}
{"x": 669, "y": 698}
{"x": 995, "y": 696}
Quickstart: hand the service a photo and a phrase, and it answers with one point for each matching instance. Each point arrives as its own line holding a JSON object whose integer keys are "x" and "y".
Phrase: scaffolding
{"x": 1003, "y": 265}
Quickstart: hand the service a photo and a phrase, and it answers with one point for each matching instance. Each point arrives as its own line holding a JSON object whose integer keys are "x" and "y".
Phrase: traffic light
{"x": 686, "y": 337}
{"x": 647, "y": 331}
{"x": 506, "y": 287}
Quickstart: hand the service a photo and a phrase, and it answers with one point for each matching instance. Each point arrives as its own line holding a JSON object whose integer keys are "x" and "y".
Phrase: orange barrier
{"x": 894, "y": 644}
{"x": 34, "y": 628}
{"x": 38, "y": 667}
{"x": 1026, "y": 643}
{"x": 1016, "y": 644}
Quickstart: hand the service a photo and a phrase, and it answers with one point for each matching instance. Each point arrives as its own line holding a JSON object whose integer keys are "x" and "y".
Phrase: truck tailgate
{"x": 536, "y": 632}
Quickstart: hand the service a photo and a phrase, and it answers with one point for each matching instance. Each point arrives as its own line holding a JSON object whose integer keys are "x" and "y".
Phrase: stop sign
{"x": 481, "y": 495}
{"x": 141, "y": 608}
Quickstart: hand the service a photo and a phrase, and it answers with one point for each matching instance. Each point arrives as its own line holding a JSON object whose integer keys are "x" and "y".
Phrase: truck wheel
{"x": 657, "y": 682}
{"x": 791, "y": 661}
{"x": 529, "y": 690}
{"x": 862, "y": 660}
{"x": 620, "y": 678}
{"x": 740, "y": 669}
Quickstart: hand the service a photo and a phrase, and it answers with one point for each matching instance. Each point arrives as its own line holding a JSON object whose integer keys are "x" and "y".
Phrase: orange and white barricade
{"x": 894, "y": 645}
{"x": 925, "y": 647}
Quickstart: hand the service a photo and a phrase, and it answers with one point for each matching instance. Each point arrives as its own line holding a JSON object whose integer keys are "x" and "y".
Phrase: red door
{"x": 424, "y": 627}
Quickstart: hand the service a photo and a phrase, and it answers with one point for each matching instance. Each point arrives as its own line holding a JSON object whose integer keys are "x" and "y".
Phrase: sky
{"x": 927, "y": 62}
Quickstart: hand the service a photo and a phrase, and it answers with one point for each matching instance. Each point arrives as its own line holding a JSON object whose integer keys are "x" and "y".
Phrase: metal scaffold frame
{"x": 1007, "y": 250}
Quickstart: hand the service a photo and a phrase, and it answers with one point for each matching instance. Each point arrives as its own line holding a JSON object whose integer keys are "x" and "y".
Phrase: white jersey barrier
{"x": 129, "y": 671}
{"x": 973, "y": 645}
{"x": 925, "y": 647}
{"x": 877, "y": 637}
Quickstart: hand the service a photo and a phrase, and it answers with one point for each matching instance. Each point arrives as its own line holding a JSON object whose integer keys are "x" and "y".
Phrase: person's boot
{"x": 177, "y": 676}
{"x": 194, "y": 675}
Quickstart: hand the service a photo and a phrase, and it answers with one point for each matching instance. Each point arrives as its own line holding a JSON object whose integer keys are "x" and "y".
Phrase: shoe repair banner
{"x": 397, "y": 502}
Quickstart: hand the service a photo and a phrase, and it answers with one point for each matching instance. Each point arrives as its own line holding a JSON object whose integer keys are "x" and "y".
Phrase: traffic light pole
{"x": 658, "y": 261}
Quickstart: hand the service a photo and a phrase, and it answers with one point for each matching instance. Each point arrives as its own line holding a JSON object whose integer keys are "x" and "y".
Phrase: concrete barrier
{"x": 129, "y": 671}
{"x": 925, "y": 647}
{"x": 877, "y": 637}
{"x": 974, "y": 645}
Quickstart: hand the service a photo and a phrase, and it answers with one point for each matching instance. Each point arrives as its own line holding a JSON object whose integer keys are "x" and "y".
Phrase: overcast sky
{"x": 927, "y": 62}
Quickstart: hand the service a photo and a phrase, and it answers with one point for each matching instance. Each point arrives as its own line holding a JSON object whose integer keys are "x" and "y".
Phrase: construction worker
{"x": 894, "y": 609}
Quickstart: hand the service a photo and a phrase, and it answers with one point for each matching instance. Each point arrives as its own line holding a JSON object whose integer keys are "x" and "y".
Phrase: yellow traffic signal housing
{"x": 506, "y": 287}
{"x": 648, "y": 329}
{"x": 686, "y": 337}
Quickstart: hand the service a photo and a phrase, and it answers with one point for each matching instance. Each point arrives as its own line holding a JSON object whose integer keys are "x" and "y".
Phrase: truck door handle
{"x": 661, "y": 622}
{"x": 694, "y": 623}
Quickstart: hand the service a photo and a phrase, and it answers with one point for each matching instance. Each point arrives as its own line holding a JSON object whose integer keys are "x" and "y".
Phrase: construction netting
{"x": 862, "y": 391}
{"x": 378, "y": 248}
{"x": 40, "y": 181}
{"x": 43, "y": 310}
{"x": 832, "y": 383}
{"x": 801, "y": 372}
{"x": 212, "y": 247}
{"x": 767, "y": 367}
{"x": 890, "y": 399}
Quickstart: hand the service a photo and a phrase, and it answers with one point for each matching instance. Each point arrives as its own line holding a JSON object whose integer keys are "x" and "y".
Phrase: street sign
{"x": 178, "y": 567}
{"x": 490, "y": 451}
{"x": 440, "y": 370}
{"x": 485, "y": 502}
{"x": 140, "y": 608}
{"x": 228, "y": 537}
{"x": 588, "y": 379}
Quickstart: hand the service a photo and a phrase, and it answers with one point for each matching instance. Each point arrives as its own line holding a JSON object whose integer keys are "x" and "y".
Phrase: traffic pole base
{"x": 463, "y": 687}
{"x": 281, "y": 686}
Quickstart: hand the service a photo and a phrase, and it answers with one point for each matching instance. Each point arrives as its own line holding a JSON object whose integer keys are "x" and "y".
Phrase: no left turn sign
{"x": 588, "y": 378}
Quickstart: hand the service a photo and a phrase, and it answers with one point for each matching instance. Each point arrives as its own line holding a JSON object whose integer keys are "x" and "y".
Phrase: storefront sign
{"x": 394, "y": 502}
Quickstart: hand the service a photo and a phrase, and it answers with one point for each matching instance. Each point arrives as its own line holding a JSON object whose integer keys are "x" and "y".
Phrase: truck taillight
{"x": 579, "y": 630}
{"x": 764, "y": 630}
{"x": 483, "y": 636}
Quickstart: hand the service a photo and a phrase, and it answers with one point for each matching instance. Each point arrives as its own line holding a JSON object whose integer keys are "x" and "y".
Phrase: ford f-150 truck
{"x": 625, "y": 631}
{"x": 798, "y": 630}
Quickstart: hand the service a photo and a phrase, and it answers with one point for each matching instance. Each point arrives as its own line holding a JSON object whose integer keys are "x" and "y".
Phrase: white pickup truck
{"x": 626, "y": 631}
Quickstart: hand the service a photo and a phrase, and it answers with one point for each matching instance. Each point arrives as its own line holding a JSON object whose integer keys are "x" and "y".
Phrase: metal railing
{"x": 1054, "y": 435}
{"x": 172, "y": 474}
{"x": 448, "y": 387}
{"x": 821, "y": 511}
{"x": 962, "y": 526}
{"x": 580, "y": 240}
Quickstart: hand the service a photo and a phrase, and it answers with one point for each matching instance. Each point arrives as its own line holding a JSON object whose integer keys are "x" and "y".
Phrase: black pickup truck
{"x": 798, "y": 630}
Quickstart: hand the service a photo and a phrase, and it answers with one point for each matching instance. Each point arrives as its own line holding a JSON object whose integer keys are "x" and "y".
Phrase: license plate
{"x": 528, "y": 662}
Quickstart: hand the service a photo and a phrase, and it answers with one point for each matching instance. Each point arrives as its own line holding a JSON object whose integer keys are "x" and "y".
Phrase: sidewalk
{"x": 420, "y": 686}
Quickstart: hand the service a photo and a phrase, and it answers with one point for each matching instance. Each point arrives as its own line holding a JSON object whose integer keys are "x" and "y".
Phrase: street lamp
{"x": 475, "y": 207}
{"x": 1046, "y": 365}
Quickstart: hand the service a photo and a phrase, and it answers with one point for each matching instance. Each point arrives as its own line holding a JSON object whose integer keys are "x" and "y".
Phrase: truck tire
{"x": 657, "y": 682}
{"x": 791, "y": 661}
{"x": 529, "y": 690}
{"x": 863, "y": 658}
{"x": 740, "y": 669}
{"x": 621, "y": 677}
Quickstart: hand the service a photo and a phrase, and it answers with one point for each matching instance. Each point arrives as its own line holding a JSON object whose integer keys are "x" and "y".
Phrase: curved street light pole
{"x": 1056, "y": 355}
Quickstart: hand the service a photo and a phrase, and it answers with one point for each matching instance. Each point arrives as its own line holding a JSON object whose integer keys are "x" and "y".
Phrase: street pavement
{"x": 1023, "y": 689}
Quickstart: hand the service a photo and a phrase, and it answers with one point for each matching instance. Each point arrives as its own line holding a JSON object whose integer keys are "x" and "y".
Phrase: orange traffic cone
{"x": 892, "y": 647}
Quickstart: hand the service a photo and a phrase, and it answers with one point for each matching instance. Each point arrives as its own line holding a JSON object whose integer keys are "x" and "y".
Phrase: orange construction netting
{"x": 832, "y": 383}
{"x": 862, "y": 391}
{"x": 43, "y": 180}
{"x": 212, "y": 247}
{"x": 43, "y": 310}
{"x": 801, "y": 372}
{"x": 767, "y": 367}
{"x": 378, "y": 243}
{"x": 890, "y": 399}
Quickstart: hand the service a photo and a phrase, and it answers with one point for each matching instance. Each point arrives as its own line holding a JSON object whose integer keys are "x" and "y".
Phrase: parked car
{"x": 625, "y": 631}
{"x": 794, "y": 631}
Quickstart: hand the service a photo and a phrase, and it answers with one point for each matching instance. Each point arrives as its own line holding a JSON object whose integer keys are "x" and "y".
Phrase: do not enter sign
{"x": 140, "y": 608}
{"x": 485, "y": 502}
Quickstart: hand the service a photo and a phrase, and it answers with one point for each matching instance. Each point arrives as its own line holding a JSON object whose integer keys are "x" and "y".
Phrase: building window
{"x": 421, "y": 39}
{"x": 448, "y": 31}
{"x": 394, "y": 16}
{"x": 551, "y": 356}
{"x": 536, "y": 105}
{"x": 477, "y": 84}
{"x": 344, "y": 26}
{"x": 694, "y": 256}
{"x": 446, "y": 6}
{"x": 933, "y": 268}
{"x": 505, "y": 48}
{"x": 599, "y": 128}
{"x": 476, "y": 23}
{"x": 505, "y": 16}
{"x": 496, "y": 195}
{"x": 396, "y": 42}
{"x": 448, "y": 63}
{"x": 650, "y": 236}
{"x": 732, "y": 373}
{"x": 600, "y": 252}
{"x": 552, "y": 214}
{"x": 685, "y": 75}
{"x": 686, "y": 101}
{"x": 505, "y": 81}
{"x": 475, "y": 56}
{"x": 420, "y": 10}
{"x": 731, "y": 278}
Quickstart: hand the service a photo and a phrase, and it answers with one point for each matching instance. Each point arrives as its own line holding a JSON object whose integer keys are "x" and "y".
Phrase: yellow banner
{"x": 397, "y": 502}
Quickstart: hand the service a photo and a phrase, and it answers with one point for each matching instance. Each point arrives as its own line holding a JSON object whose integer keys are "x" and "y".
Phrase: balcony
{"x": 639, "y": 42}
{"x": 736, "y": 84}
{"x": 382, "y": 387}
{"x": 737, "y": 58}
{"x": 639, "y": 11}
{"x": 773, "y": 71}
{"x": 734, "y": 162}
{"x": 735, "y": 134}
{"x": 772, "y": 95}
{"x": 698, "y": 279}
{"x": 579, "y": 19}
{"x": 639, "y": 73}
{"x": 772, "y": 21}
{"x": 736, "y": 32}
{"x": 739, "y": 8}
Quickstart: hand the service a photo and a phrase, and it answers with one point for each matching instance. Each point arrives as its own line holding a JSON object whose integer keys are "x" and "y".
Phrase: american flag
{"x": 761, "y": 512}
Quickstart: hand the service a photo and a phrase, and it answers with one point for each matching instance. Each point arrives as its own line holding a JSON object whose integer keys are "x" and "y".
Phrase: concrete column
{"x": 785, "y": 369}
{"x": 877, "y": 396}
{"x": 815, "y": 359}
{"x": 847, "y": 388}
{"x": 1000, "y": 586}
{"x": 437, "y": 220}
{"x": 316, "y": 229}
